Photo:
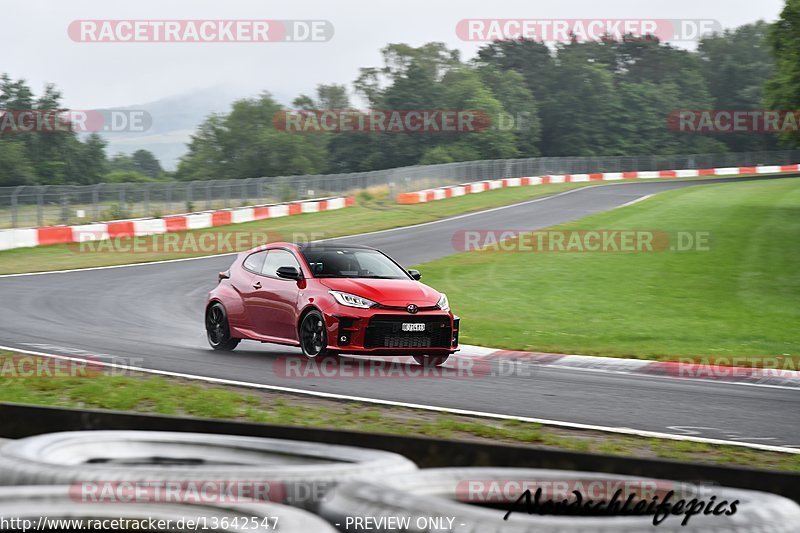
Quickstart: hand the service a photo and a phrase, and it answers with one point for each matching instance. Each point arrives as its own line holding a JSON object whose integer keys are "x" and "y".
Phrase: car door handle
{"x": 257, "y": 285}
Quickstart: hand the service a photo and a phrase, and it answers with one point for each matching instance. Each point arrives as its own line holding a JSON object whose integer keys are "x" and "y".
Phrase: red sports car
{"x": 329, "y": 299}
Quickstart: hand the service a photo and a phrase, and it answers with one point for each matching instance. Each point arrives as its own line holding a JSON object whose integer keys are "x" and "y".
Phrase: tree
{"x": 432, "y": 78}
{"x": 245, "y": 144}
{"x": 127, "y": 176}
{"x": 120, "y": 162}
{"x": 464, "y": 90}
{"x": 519, "y": 105}
{"x": 142, "y": 165}
{"x": 44, "y": 155}
{"x": 205, "y": 158}
{"x": 15, "y": 168}
{"x": 410, "y": 79}
{"x": 782, "y": 91}
{"x": 531, "y": 59}
{"x": 146, "y": 163}
{"x": 584, "y": 119}
{"x": 328, "y": 97}
{"x": 734, "y": 65}
{"x": 332, "y": 96}
{"x": 86, "y": 162}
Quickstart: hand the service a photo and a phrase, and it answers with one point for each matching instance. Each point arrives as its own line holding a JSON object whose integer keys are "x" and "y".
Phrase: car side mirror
{"x": 415, "y": 274}
{"x": 289, "y": 272}
{"x": 224, "y": 275}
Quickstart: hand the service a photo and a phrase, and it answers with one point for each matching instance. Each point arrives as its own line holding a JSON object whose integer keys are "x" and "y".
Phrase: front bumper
{"x": 378, "y": 331}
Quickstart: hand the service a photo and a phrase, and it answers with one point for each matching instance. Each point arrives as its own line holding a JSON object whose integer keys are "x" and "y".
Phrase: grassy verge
{"x": 737, "y": 298}
{"x": 149, "y": 394}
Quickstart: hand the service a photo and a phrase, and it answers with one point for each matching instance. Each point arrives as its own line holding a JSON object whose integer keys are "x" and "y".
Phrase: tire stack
{"x": 322, "y": 486}
{"x": 51, "y": 475}
{"x": 33, "y": 502}
{"x": 3, "y": 442}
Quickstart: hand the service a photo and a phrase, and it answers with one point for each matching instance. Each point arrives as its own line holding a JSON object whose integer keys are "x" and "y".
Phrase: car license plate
{"x": 413, "y": 326}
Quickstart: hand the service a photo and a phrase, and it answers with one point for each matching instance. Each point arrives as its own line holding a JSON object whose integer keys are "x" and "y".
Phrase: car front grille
{"x": 386, "y": 331}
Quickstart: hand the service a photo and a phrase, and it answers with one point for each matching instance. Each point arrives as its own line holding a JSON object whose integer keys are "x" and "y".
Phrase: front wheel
{"x": 431, "y": 360}
{"x": 314, "y": 336}
{"x": 217, "y": 329}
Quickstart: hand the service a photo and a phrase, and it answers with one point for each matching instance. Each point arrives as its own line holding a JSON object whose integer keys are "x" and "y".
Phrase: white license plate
{"x": 413, "y": 326}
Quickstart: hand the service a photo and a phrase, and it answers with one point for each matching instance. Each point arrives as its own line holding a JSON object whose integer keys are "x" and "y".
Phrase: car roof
{"x": 331, "y": 246}
{"x": 268, "y": 246}
{"x": 307, "y": 246}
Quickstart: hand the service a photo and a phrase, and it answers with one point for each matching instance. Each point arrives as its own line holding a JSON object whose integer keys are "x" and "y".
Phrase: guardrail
{"x": 44, "y": 205}
{"x": 31, "y": 237}
{"x": 440, "y": 193}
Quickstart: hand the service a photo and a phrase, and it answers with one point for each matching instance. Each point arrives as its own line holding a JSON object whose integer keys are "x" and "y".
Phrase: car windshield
{"x": 352, "y": 263}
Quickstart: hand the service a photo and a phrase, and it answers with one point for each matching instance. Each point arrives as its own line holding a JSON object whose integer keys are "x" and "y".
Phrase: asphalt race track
{"x": 153, "y": 314}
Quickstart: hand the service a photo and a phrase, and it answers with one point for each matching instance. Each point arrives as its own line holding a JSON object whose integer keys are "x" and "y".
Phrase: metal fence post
{"x": 261, "y": 196}
{"x": 40, "y": 205}
{"x": 190, "y": 196}
{"x": 146, "y": 199}
{"x": 64, "y": 208}
{"x": 96, "y": 200}
{"x": 14, "y": 205}
{"x": 244, "y": 187}
{"x": 122, "y": 198}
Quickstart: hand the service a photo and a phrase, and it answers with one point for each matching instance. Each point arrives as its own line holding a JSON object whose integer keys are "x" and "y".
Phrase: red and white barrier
{"x": 440, "y": 193}
{"x": 30, "y": 237}
{"x": 736, "y": 369}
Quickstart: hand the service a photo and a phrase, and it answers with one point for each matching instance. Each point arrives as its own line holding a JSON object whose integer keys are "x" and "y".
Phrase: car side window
{"x": 276, "y": 259}
{"x": 255, "y": 262}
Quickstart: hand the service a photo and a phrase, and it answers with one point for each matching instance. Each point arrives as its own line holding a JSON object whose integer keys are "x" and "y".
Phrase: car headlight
{"x": 443, "y": 304}
{"x": 351, "y": 300}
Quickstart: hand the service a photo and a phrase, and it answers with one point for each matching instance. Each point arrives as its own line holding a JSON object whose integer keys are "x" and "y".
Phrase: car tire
{"x": 313, "y": 336}
{"x": 64, "y": 458}
{"x": 218, "y": 330}
{"x": 3, "y": 481}
{"x": 430, "y": 361}
{"x": 442, "y": 493}
{"x": 66, "y": 502}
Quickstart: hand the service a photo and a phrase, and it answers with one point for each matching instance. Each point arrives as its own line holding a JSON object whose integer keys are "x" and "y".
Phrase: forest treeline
{"x": 612, "y": 97}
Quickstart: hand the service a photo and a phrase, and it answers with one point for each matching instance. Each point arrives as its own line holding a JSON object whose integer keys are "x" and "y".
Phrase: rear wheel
{"x": 314, "y": 336}
{"x": 217, "y": 329}
{"x": 431, "y": 360}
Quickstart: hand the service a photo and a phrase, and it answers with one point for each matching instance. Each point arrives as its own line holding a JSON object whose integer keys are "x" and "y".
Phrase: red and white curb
{"x": 30, "y": 237}
{"x": 771, "y": 377}
{"x": 440, "y": 193}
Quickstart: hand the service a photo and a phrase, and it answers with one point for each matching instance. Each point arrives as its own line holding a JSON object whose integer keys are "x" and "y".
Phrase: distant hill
{"x": 174, "y": 120}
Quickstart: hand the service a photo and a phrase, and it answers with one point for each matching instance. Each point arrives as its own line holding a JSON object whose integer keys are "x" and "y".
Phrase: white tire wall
{"x": 300, "y": 467}
{"x": 55, "y": 503}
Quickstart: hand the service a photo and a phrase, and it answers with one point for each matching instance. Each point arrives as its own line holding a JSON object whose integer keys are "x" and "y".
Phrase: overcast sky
{"x": 36, "y": 45}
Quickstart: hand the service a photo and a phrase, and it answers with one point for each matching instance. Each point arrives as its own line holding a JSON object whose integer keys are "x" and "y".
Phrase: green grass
{"x": 171, "y": 396}
{"x": 376, "y": 214}
{"x": 740, "y": 298}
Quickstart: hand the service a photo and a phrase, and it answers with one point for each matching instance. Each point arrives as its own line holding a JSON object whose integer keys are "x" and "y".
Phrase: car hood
{"x": 398, "y": 292}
